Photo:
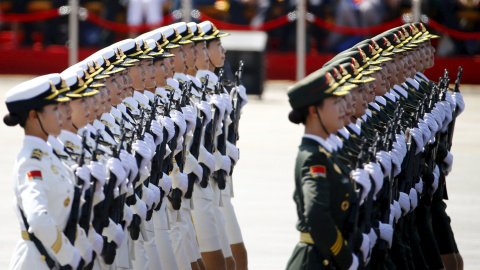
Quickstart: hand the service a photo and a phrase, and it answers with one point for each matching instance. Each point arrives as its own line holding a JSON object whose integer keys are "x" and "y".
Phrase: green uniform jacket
{"x": 323, "y": 194}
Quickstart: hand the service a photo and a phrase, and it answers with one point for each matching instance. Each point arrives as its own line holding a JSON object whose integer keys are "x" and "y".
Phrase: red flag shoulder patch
{"x": 34, "y": 175}
{"x": 318, "y": 171}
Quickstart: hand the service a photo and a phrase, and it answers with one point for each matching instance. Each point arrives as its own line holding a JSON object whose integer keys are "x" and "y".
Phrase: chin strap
{"x": 321, "y": 123}
{"x": 41, "y": 126}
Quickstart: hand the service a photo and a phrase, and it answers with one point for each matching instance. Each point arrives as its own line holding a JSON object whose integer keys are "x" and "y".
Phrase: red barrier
{"x": 376, "y": 29}
{"x": 120, "y": 27}
{"x": 269, "y": 25}
{"x": 451, "y": 32}
{"x": 30, "y": 17}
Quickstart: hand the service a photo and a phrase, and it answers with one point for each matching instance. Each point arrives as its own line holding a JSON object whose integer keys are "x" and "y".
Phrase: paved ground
{"x": 263, "y": 179}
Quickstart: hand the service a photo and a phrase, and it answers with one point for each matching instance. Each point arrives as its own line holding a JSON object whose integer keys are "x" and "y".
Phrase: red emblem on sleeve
{"x": 34, "y": 175}
{"x": 318, "y": 171}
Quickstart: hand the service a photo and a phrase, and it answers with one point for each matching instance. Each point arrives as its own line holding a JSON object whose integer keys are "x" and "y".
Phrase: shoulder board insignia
{"x": 34, "y": 175}
{"x": 37, "y": 154}
{"x": 337, "y": 169}
{"x": 324, "y": 151}
{"x": 318, "y": 171}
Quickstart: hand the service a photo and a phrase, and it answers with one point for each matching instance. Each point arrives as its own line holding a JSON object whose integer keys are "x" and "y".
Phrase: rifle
{"x": 220, "y": 175}
{"x": 71, "y": 228}
{"x": 451, "y": 126}
{"x": 235, "y": 115}
{"x": 134, "y": 227}
{"x": 206, "y": 171}
{"x": 175, "y": 195}
{"x": 87, "y": 206}
{"x": 109, "y": 248}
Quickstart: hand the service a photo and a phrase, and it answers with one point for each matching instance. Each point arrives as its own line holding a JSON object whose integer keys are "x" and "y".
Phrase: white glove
{"x": 206, "y": 158}
{"x": 114, "y": 232}
{"x": 395, "y": 155}
{"x": 354, "y": 265}
{"x": 207, "y": 111}
{"x": 451, "y": 101}
{"x": 218, "y": 102}
{"x": 448, "y": 163}
{"x": 75, "y": 258}
{"x": 198, "y": 171}
{"x": 148, "y": 138}
{"x": 190, "y": 163}
{"x": 143, "y": 150}
{"x": 98, "y": 173}
{"x": 166, "y": 184}
{"x": 375, "y": 171}
{"x": 418, "y": 138}
{"x": 413, "y": 195}
{"x": 84, "y": 174}
{"x": 156, "y": 193}
{"x": 386, "y": 161}
{"x": 362, "y": 178}
{"x": 396, "y": 210}
{"x": 419, "y": 186}
{"x": 139, "y": 208}
{"x": 147, "y": 196}
{"x": 179, "y": 180}
{"x": 83, "y": 245}
{"x": 425, "y": 131}
{"x": 190, "y": 116}
{"x": 168, "y": 124}
{"x": 127, "y": 215}
{"x": 373, "y": 237}
{"x": 438, "y": 116}
{"x": 128, "y": 161}
{"x": 242, "y": 92}
{"x": 459, "y": 101}
{"x": 400, "y": 139}
{"x": 448, "y": 116}
{"x": 157, "y": 130}
{"x": 386, "y": 233}
{"x": 227, "y": 103}
{"x": 404, "y": 202}
{"x": 365, "y": 247}
{"x": 96, "y": 240}
{"x": 115, "y": 166}
{"x": 432, "y": 124}
{"x": 436, "y": 176}
{"x": 179, "y": 121}
{"x": 232, "y": 152}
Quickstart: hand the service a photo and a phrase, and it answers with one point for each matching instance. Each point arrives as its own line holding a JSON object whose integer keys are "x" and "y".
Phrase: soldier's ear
{"x": 312, "y": 110}
{"x": 32, "y": 115}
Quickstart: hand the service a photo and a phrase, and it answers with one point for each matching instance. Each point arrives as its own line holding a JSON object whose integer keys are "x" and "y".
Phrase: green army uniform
{"x": 323, "y": 195}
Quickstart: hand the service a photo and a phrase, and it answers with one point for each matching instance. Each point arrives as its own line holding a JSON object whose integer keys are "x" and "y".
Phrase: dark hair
{"x": 14, "y": 119}
{"x": 18, "y": 118}
{"x": 298, "y": 116}
{"x": 210, "y": 41}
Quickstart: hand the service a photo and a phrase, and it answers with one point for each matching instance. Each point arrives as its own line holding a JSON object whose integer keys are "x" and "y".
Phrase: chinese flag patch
{"x": 34, "y": 175}
{"x": 318, "y": 171}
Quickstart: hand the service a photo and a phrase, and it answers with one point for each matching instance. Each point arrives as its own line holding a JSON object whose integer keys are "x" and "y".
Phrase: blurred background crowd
{"x": 460, "y": 15}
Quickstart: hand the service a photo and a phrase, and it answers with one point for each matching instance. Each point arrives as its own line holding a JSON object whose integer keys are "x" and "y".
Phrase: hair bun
{"x": 11, "y": 120}
{"x": 296, "y": 116}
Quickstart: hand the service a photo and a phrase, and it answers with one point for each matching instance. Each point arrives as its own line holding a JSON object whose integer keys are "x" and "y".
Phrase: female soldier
{"x": 42, "y": 209}
{"x": 323, "y": 192}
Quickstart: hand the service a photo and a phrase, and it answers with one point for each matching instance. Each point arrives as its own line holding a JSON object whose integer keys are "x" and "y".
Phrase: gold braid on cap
{"x": 405, "y": 32}
{"x": 372, "y": 49}
{"x": 422, "y": 28}
{"x": 400, "y": 33}
{"x": 364, "y": 56}
{"x": 355, "y": 63}
{"x": 342, "y": 70}
{"x": 337, "y": 74}
{"x": 97, "y": 66}
{"x": 90, "y": 68}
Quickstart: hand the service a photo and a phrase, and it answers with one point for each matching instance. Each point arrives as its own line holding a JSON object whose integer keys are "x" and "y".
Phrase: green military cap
{"x": 388, "y": 41}
{"x": 351, "y": 75}
{"x": 313, "y": 89}
{"x": 425, "y": 32}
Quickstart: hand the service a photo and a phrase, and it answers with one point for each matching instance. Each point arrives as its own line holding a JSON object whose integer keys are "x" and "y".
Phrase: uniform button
{"x": 325, "y": 262}
{"x": 66, "y": 202}
{"x": 42, "y": 258}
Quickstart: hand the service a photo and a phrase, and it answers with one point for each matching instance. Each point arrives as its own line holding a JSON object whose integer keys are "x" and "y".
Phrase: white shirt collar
{"x": 423, "y": 76}
{"x": 369, "y": 113}
{"x": 36, "y": 142}
{"x": 413, "y": 82}
{"x": 375, "y": 105}
{"x": 381, "y": 100}
{"x": 320, "y": 140}
{"x": 355, "y": 128}
{"x": 393, "y": 93}
{"x": 390, "y": 96}
{"x": 344, "y": 132}
{"x": 400, "y": 90}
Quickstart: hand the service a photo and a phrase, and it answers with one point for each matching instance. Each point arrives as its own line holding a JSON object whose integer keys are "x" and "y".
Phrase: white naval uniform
{"x": 44, "y": 189}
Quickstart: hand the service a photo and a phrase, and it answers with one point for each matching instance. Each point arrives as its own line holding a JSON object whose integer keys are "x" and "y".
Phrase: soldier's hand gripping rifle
{"x": 175, "y": 195}
{"x": 237, "y": 107}
{"x": 71, "y": 228}
{"x": 181, "y": 158}
{"x": 206, "y": 171}
{"x": 134, "y": 227}
{"x": 88, "y": 204}
{"x": 220, "y": 175}
{"x": 111, "y": 208}
{"x": 451, "y": 126}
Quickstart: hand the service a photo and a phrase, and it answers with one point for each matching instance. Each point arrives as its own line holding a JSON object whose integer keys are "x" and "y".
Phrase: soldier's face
{"x": 160, "y": 73}
{"x": 379, "y": 88}
{"x": 217, "y": 53}
{"x": 392, "y": 75}
{"x": 203, "y": 60}
{"x": 418, "y": 59}
{"x": 170, "y": 66}
{"x": 99, "y": 102}
{"x": 180, "y": 61}
{"x": 385, "y": 73}
{"x": 138, "y": 74}
{"x": 190, "y": 55}
{"x": 349, "y": 111}
{"x": 360, "y": 102}
{"x": 93, "y": 104}
{"x": 369, "y": 89}
{"x": 65, "y": 114}
{"x": 150, "y": 71}
{"x": 80, "y": 112}
{"x": 113, "y": 84}
{"x": 51, "y": 119}
{"x": 400, "y": 68}
{"x": 332, "y": 114}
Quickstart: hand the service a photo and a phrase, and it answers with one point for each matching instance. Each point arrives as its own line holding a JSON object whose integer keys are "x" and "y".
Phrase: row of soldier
{"x": 370, "y": 172}
{"x": 128, "y": 157}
